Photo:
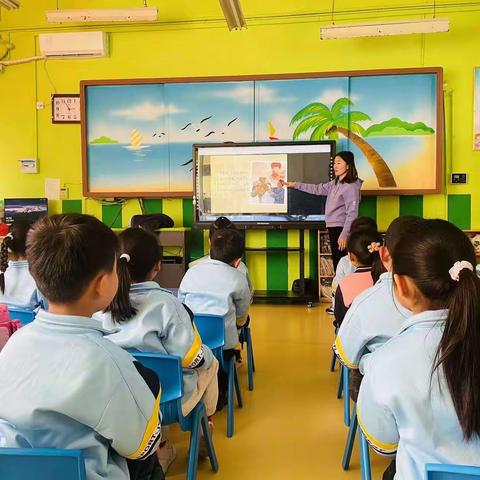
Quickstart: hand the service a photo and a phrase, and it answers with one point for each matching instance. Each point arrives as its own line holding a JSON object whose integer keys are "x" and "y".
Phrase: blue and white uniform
{"x": 20, "y": 288}
{"x": 63, "y": 385}
{"x": 402, "y": 407}
{"x": 217, "y": 288}
{"x": 373, "y": 318}
{"x": 241, "y": 268}
{"x": 162, "y": 325}
{"x": 345, "y": 267}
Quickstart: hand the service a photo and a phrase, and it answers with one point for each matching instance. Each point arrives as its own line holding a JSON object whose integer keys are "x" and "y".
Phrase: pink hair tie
{"x": 458, "y": 267}
{"x": 374, "y": 247}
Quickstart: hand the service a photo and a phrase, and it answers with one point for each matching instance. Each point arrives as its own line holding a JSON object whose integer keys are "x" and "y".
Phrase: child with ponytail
{"x": 17, "y": 286}
{"x": 151, "y": 319}
{"x": 363, "y": 247}
{"x": 420, "y": 396}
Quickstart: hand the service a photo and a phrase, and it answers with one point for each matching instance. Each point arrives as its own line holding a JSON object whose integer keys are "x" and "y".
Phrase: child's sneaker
{"x": 166, "y": 455}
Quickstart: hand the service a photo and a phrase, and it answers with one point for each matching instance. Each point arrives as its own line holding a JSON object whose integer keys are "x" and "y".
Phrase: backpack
{"x": 7, "y": 327}
{"x": 310, "y": 286}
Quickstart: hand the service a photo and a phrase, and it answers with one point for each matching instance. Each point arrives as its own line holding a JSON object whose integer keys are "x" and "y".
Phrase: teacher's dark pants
{"x": 334, "y": 234}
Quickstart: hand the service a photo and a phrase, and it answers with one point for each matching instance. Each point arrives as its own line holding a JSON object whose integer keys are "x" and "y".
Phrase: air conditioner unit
{"x": 74, "y": 45}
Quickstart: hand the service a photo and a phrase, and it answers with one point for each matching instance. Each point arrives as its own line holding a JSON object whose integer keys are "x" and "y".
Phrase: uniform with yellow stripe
{"x": 402, "y": 407}
{"x": 163, "y": 325}
{"x": 64, "y": 385}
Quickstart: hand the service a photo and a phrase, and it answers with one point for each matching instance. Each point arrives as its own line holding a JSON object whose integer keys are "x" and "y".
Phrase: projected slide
{"x": 248, "y": 184}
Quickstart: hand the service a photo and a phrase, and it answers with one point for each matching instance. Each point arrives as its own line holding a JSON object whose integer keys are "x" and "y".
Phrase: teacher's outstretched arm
{"x": 322, "y": 189}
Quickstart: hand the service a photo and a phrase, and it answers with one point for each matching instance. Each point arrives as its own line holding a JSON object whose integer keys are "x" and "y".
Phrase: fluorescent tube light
{"x": 232, "y": 9}
{"x": 381, "y": 29}
{"x": 9, "y": 4}
{"x": 145, "y": 14}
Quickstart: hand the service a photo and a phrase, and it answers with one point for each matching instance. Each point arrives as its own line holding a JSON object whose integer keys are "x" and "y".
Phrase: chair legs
{"x": 208, "y": 439}
{"x": 251, "y": 361}
{"x": 194, "y": 443}
{"x": 340, "y": 383}
{"x": 237, "y": 387}
{"x": 333, "y": 362}
{"x": 345, "y": 379}
{"x": 352, "y": 431}
{"x": 230, "y": 393}
{"x": 366, "y": 473}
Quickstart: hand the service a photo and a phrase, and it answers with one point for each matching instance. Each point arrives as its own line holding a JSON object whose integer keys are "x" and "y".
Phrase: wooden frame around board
{"x": 438, "y": 71}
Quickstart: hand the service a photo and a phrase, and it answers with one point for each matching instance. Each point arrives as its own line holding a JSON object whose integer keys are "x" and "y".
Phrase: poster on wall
{"x": 137, "y": 136}
{"x": 476, "y": 120}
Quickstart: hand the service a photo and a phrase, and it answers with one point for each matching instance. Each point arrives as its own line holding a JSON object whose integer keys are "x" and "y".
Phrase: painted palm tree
{"x": 330, "y": 122}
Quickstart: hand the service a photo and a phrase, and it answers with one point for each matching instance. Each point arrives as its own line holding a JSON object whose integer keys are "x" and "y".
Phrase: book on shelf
{"x": 326, "y": 267}
{"x": 325, "y": 244}
{"x": 326, "y": 287}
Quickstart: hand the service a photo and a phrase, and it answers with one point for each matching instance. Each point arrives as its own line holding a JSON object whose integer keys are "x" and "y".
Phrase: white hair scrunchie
{"x": 9, "y": 235}
{"x": 374, "y": 247}
{"x": 126, "y": 256}
{"x": 457, "y": 268}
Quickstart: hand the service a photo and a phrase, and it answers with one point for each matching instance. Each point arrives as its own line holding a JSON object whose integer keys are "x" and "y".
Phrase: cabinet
{"x": 325, "y": 267}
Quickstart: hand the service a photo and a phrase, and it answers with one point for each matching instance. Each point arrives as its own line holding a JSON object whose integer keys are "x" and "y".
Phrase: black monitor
{"x": 27, "y": 209}
{"x": 244, "y": 182}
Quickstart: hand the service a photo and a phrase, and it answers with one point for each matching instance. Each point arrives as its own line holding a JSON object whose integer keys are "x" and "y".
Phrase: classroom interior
{"x": 291, "y": 425}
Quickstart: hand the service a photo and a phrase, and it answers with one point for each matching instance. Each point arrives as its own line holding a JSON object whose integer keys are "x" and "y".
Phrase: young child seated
{"x": 151, "y": 319}
{"x": 17, "y": 286}
{"x": 363, "y": 247}
{"x": 345, "y": 266}
{"x": 223, "y": 223}
{"x": 420, "y": 394}
{"x": 62, "y": 384}
{"x": 374, "y": 316}
{"x": 217, "y": 287}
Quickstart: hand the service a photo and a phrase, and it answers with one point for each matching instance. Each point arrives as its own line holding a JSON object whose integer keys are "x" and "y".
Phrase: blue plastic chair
{"x": 365, "y": 469}
{"x": 438, "y": 471}
{"x": 41, "y": 464}
{"x": 343, "y": 390}
{"x": 246, "y": 336}
{"x": 25, "y": 316}
{"x": 169, "y": 371}
{"x": 212, "y": 331}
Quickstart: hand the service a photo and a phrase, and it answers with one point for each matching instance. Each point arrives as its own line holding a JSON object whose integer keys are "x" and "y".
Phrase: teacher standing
{"x": 343, "y": 198}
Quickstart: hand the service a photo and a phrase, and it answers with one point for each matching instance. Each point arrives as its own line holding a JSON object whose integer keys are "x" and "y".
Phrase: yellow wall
{"x": 190, "y": 47}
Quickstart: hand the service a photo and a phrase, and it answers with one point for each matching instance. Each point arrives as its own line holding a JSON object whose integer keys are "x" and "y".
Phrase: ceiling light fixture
{"x": 232, "y": 9}
{"x": 145, "y": 14}
{"x": 382, "y": 29}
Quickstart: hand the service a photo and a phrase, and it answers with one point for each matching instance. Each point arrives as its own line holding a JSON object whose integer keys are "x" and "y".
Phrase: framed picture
{"x": 137, "y": 135}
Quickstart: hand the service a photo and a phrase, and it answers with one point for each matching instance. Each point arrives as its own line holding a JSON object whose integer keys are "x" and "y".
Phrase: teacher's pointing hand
{"x": 288, "y": 184}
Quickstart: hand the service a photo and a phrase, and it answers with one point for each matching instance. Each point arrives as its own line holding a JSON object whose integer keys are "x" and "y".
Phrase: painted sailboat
{"x": 136, "y": 139}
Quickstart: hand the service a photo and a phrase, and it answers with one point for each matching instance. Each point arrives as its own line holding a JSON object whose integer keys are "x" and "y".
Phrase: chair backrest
{"x": 169, "y": 371}
{"x": 41, "y": 464}
{"x": 25, "y": 316}
{"x": 438, "y": 471}
{"x": 212, "y": 330}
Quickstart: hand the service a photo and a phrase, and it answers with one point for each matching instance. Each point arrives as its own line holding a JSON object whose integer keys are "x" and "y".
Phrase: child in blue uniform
{"x": 217, "y": 287}
{"x": 151, "y": 319}
{"x": 62, "y": 384}
{"x": 374, "y": 316}
{"x": 17, "y": 286}
{"x": 420, "y": 394}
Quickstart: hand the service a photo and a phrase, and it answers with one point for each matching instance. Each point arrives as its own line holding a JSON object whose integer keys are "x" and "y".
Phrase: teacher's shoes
{"x": 329, "y": 310}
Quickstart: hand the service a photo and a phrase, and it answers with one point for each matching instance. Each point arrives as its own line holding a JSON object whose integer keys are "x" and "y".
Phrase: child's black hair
{"x": 398, "y": 228}
{"x": 15, "y": 242}
{"x": 221, "y": 223}
{"x": 363, "y": 223}
{"x": 139, "y": 253}
{"x": 66, "y": 252}
{"x": 364, "y": 244}
{"x": 227, "y": 245}
{"x": 427, "y": 257}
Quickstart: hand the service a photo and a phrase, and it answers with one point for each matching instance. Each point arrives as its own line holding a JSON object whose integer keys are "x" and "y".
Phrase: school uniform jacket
{"x": 403, "y": 408}
{"x": 345, "y": 267}
{"x": 348, "y": 288}
{"x": 20, "y": 287}
{"x": 63, "y": 385}
{"x": 241, "y": 268}
{"x": 216, "y": 288}
{"x": 373, "y": 318}
{"x": 162, "y": 325}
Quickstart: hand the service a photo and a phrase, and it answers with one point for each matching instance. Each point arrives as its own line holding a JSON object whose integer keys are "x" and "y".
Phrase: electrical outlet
{"x": 459, "y": 178}
{"x": 64, "y": 193}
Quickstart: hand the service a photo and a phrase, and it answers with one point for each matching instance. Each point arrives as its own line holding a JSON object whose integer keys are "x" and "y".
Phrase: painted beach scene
{"x": 140, "y": 136}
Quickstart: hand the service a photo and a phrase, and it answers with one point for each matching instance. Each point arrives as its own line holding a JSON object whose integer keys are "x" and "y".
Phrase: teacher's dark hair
{"x": 349, "y": 159}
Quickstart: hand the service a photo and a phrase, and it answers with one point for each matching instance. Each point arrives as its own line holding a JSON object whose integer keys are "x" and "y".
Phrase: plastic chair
{"x": 169, "y": 371}
{"x": 212, "y": 331}
{"x": 246, "y": 336}
{"x": 345, "y": 379}
{"x": 365, "y": 469}
{"x": 25, "y": 316}
{"x": 41, "y": 464}
{"x": 333, "y": 361}
{"x": 438, "y": 471}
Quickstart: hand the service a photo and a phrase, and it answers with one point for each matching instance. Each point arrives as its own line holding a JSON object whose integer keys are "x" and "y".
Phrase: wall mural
{"x": 138, "y": 135}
